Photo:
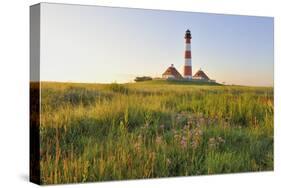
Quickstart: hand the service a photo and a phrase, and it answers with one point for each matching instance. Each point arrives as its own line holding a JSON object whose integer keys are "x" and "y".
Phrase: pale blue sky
{"x": 102, "y": 44}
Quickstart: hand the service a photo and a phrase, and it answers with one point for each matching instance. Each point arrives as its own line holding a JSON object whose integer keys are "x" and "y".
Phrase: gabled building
{"x": 171, "y": 73}
{"x": 200, "y": 75}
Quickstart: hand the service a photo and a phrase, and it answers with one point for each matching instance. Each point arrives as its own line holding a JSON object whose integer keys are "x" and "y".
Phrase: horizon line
{"x": 132, "y": 82}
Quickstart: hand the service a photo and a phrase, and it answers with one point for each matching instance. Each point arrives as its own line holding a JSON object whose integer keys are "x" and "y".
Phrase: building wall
{"x": 168, "y": 76}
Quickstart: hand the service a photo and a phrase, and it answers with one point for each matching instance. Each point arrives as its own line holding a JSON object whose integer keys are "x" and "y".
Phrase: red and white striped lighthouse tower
{"x": 187, "y": 71}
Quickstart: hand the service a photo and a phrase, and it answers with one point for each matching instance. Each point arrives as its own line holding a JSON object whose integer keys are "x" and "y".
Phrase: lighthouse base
{"x": 187, "y": 77}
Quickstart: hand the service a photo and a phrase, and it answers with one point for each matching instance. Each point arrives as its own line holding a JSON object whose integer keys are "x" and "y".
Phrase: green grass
{"x": 180, "y": 82}
{"x": 98, "y": 132}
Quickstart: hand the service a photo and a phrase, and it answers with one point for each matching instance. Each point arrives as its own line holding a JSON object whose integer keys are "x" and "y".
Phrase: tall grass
{"x": 99, "y": 132}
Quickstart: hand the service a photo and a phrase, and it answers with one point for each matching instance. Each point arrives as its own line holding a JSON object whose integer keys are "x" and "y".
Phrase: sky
{"x": 103, "y": 44}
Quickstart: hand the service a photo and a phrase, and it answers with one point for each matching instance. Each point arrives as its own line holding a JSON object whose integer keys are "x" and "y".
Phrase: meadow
{"x": 101, "y": 132}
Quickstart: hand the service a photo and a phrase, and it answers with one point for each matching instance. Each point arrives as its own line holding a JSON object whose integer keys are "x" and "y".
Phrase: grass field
{"x": 97, "y": 132}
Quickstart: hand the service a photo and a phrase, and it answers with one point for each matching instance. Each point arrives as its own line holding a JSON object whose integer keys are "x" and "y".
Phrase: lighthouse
{"x": 187, "y": 71}
{"x": 172, "y": 74}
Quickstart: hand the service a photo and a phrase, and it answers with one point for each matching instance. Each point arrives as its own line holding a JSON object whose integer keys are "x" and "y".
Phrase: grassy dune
{"x": 96, "y": 132}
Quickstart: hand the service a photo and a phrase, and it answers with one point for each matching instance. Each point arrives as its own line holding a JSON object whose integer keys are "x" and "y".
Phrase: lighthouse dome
{"x": 187, "y": 34}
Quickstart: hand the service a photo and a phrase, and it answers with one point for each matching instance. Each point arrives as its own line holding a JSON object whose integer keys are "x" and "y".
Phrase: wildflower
{"x": 183, "y": 142}
{"x": 215, "y": 142}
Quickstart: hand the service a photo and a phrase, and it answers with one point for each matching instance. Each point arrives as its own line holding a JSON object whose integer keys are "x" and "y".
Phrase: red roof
{"x": 172, "y": 71}
{"x": 201, "y": 74}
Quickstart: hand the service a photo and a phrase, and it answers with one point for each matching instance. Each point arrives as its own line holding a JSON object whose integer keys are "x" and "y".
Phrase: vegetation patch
{"x": 95, "y": 132}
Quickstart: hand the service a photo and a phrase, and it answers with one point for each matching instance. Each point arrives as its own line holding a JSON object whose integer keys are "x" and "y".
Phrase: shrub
{"x": 143, "y": 78}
